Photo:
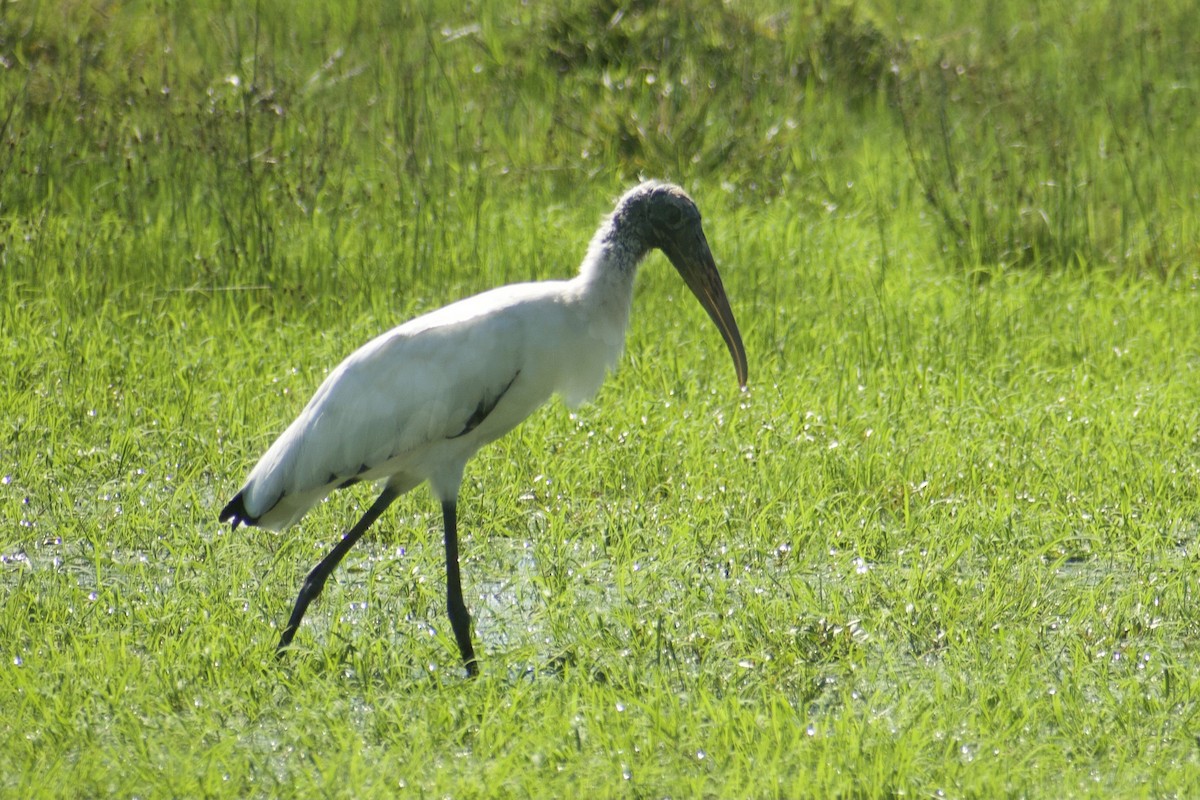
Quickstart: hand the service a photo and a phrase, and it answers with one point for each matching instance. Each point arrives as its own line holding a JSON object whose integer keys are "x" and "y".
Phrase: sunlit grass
{"x": 945, "y": 542}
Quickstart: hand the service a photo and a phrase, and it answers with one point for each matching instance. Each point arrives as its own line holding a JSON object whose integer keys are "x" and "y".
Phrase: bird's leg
{"x": 460, "y": 619}
{"x": 315, "y": 582}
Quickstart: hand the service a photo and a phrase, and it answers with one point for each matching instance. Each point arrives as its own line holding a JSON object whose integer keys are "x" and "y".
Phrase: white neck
{"x": 603, "y": 295}
{"x": 608, "y": 270}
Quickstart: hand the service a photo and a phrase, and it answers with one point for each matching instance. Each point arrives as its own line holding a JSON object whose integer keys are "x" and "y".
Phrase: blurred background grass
{"x": 231, "y": 144}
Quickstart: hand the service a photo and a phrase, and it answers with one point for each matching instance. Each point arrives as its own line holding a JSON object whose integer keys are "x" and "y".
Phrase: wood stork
{"x": 415, "y": 403}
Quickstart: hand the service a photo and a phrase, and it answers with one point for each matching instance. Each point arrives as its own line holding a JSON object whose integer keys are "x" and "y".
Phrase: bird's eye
{"x": 667, "y": 215}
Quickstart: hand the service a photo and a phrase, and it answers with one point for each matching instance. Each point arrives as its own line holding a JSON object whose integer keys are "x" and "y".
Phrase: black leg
{"x": 315, "y": 581}
{"x": 460, "y": 619}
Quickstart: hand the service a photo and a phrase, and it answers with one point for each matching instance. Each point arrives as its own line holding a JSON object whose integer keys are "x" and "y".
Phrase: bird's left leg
{"x": 315, "y": 581}
{"x": 460, "y": 618}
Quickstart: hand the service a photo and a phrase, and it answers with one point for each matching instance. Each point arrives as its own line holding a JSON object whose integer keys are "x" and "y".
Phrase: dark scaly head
{"x": 661, "y": 216}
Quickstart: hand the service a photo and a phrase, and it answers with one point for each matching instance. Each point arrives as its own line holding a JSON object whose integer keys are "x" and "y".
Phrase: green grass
{"x": 946, "y": 544}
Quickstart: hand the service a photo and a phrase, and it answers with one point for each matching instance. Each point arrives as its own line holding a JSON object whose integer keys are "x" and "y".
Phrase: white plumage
{"x": 415, "y": 403}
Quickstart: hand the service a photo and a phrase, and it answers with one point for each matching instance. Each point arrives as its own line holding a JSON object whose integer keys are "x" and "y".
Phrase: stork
{"x": 415, "y": 403}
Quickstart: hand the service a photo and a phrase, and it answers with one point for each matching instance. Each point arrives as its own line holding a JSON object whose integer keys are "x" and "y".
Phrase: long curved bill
{"x": 695, "y": 264}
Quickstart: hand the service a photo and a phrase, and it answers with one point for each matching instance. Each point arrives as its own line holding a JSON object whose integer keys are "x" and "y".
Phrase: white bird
{"x": 415, "y": 403}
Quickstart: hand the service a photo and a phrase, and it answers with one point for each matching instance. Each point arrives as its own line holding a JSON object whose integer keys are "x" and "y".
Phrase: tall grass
{"x": 1024, "y": 139}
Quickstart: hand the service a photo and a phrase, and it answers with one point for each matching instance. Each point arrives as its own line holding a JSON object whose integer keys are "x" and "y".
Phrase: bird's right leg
{"x": 460, "y": 619}
{"x": 315, "y": 582}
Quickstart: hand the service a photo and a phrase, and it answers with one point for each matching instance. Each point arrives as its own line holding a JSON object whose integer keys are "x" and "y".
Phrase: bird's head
{"x": 658, "y": 214}
{"x": 661, "y": 216}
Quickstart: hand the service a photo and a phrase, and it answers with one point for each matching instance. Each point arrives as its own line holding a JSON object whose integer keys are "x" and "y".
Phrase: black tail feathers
{"x": 235, "y": 512}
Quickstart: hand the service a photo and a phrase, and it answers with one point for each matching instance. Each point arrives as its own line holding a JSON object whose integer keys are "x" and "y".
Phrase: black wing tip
{"x": 235, "y": 512}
